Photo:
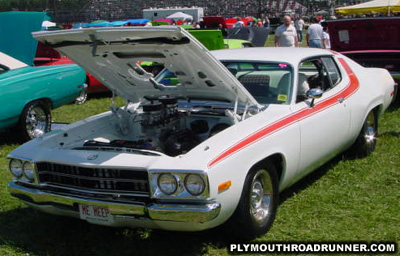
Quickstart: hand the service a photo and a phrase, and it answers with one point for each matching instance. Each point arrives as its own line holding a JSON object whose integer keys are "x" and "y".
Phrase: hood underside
{"x": 112, "y": 55}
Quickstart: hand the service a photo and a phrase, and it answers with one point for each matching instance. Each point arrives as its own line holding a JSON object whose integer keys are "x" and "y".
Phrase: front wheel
{"x": 366, "y": 140}
{"x": 258, "y": 203}
{"x": 35, "y": 120}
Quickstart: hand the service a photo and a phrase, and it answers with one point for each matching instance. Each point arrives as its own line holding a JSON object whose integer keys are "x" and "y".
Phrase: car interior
{"x": 321, "y": 73}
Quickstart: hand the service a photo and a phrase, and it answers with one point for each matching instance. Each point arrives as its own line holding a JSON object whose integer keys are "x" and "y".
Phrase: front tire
{"x": 35, "y": 120}
{"x": 366, "y": 141}
{"x": 258, "y": 203}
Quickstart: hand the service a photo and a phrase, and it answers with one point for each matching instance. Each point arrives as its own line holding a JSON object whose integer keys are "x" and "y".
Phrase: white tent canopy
{"x": 375, "y": 6}
{"x": 180, "y": 16}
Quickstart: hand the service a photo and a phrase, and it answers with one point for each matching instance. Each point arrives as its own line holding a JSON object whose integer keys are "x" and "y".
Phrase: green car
{"x": 29, "y": 93}
{"x": 237, "y": 43}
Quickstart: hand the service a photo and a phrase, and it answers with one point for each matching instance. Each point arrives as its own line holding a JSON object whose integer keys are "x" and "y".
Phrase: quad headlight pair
{"x": 193, "y": 183}
{"x": 179, "y": 185}
{"x": 22, "y": 169}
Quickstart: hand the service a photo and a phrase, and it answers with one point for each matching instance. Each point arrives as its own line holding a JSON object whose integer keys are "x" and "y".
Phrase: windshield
{"x": 268, "y": 83}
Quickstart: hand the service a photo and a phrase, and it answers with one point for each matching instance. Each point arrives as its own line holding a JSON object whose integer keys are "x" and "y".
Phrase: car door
{"x": 324, "y": 127}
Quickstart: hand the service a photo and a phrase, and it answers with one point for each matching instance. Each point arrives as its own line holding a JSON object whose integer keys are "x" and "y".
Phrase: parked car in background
{"x": 237, "y": 43}
{"x": 239, "y": 127}
{"x": 371, "y": 42}
{"x": 28, "y": 94}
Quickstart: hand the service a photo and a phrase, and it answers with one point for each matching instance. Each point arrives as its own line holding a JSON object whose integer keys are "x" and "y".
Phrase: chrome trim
{"x": 181, "y": 192}
{"x": 67, "y": 189}
{"x": 23, "y": 178}
{"x": 41, "y": 197}
{"x": 135, "y": 215}
{"x": 89, "y": 178}
{"x": 184, "y": 213}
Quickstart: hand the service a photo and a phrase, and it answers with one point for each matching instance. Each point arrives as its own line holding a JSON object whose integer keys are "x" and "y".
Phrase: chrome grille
{"x": 94, "y": 179}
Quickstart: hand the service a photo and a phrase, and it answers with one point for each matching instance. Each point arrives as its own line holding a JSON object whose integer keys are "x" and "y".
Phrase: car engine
{"x": 161, "y": 125}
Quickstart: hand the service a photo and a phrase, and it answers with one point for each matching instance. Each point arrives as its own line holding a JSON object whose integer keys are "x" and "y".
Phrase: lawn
{"x": 345, "y": 200}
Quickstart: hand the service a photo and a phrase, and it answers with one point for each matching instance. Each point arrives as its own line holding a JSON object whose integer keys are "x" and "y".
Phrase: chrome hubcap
{"x": 82, "y": 97}
{"x": 370, "y": 131}
{"x": 261, "y": 196}
{"x": 36, "y": 122}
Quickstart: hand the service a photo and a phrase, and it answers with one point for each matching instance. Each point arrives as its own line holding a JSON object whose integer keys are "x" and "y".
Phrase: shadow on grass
{"x": 390, "y": 134}
{"x": 8, "y": 137}
{"x": 310, "y": 179}
{"x": 43, "y": 234}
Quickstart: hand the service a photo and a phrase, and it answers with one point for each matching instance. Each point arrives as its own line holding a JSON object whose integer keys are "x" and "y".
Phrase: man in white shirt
{"x": 299, "y": 24}
{"x": 285, "y": 34}
{"x": 315, "y": 35}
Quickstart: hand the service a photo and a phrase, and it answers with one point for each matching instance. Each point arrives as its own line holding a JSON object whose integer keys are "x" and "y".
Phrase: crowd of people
{"x": 290, "y": 34}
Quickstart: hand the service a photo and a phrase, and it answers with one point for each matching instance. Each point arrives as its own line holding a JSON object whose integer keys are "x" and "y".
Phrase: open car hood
{"x": 112, "y": 56}
{"x": 16, "y": 39}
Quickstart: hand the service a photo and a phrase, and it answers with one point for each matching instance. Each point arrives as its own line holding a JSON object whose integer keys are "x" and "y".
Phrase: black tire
{"x": 366, "y": 141}
{"x": 82, "y": 97}
{"x": 253, "y": 216}
{"x": 35, "y": 120}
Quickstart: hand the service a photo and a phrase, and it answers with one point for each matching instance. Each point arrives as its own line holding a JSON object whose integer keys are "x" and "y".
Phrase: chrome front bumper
{"x": 182, "y": 217}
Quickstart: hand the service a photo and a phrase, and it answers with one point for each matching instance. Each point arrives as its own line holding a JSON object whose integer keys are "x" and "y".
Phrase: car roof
{"x": 289, "y": 55}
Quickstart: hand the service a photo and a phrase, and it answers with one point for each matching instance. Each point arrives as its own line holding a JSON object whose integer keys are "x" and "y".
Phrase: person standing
{"x": 299, "y": 24}
{"x": 315, "y": 34}
{"x": 326, "y": 40}
{"x": 285, "y": 34}
{"x": 266, "y": 22}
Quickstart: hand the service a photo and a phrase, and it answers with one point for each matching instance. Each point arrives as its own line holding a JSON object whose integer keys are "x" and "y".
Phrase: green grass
{"x": 345, "y": 200}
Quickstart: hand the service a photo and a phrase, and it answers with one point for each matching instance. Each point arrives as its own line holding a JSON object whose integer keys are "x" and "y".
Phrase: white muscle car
{"x": 219, "y": 143}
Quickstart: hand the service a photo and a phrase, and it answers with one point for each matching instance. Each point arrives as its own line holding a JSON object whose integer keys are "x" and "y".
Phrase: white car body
{"x": 297, "y": 137}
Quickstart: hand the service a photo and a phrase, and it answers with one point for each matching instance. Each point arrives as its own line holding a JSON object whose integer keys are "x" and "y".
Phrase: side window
{"x": 333, "y": 71}
{"x": 319, "y": 73}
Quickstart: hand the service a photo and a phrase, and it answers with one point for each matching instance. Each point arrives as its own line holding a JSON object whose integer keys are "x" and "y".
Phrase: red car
{"x": 47, "y": 56}
{"x": 372, "y": 42}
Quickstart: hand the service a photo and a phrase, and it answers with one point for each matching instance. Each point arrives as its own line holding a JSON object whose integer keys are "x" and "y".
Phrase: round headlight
{"x": 16, "y": 168}
{"x": 167, "y": 183}
{"x": 28, "y": 170}
{"x": 194, "y": 184}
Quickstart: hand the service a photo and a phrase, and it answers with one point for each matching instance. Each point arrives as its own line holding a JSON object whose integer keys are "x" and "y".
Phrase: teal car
{"x": 29, "y": 93}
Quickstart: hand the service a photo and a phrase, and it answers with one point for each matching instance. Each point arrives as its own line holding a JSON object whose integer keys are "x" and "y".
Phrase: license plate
{"x": 88, "y": 212}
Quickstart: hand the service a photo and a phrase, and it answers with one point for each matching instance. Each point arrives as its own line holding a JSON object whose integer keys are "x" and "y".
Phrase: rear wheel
{"x": 366, "y": 140}
{"x": 35, "y": 120}
{"x": 258, "y": 203}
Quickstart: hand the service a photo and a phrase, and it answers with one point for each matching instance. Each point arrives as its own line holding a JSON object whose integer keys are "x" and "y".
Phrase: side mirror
{"x": 314, "y": 94}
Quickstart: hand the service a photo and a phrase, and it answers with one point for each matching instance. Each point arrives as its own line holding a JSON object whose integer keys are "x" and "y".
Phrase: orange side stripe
{"x": 351, "y": 88}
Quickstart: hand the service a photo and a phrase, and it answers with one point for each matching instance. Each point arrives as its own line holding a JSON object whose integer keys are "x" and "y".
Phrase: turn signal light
{"x": 224, "y": 186}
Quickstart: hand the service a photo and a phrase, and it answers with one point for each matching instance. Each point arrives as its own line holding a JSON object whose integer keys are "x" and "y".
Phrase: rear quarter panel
{"x": 375, "y": 90}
